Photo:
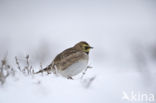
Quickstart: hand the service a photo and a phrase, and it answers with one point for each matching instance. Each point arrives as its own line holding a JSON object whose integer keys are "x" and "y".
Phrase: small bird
{"x": 71, "y": 61}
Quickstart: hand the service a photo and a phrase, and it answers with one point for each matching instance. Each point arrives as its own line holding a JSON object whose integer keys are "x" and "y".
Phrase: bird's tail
{"x": 50, "y": 68}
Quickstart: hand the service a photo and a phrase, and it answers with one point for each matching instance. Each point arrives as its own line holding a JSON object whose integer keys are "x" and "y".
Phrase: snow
{"x": 107, "y": 87}
{"x": 122, "y": 34}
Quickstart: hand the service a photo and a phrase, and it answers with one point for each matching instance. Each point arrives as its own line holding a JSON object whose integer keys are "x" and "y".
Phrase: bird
{"x": 71, "y": 61}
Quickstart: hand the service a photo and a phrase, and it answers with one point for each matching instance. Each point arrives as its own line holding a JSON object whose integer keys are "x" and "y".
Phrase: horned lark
{"x": 71, "y": 61}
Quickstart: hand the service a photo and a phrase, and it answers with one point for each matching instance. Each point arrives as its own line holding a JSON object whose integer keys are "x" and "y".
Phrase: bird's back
{"x": 68, "y": 57}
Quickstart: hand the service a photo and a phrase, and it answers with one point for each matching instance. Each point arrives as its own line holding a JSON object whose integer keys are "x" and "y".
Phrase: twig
{"x": 27, "y": 69}
{"x": 5, "y": 70}
{"x": 87, "y": 82}
{"x": 88, "y": 67}
{"x": 18, "y": 66}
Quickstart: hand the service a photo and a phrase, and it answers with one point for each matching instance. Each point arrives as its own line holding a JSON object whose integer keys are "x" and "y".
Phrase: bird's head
{"x": 83, "y": 46}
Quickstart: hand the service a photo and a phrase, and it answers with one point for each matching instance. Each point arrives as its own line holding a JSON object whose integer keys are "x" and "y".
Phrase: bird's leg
{"x": 69, "y": 77}
{"x": 48, "y": 72}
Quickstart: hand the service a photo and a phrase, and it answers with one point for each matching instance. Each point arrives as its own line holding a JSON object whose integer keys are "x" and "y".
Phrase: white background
{"x": 123, "y": 34}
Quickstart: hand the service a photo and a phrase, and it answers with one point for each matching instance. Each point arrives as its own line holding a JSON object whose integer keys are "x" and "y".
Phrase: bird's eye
{"x": 86, "y": 47}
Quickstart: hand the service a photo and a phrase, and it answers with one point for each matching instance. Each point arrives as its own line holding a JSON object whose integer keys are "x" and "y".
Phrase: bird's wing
{"x": 67, "y": 57}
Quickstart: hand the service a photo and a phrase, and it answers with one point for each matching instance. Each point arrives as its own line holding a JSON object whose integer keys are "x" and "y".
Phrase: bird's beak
{"x": 91, "y": 47}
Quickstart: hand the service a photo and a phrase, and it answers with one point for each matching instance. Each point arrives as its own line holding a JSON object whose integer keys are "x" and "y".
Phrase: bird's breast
{"x": 75, "y": 68}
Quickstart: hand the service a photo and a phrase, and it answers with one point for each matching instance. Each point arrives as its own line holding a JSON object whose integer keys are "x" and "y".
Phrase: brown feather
{"x": 68, "y": 57}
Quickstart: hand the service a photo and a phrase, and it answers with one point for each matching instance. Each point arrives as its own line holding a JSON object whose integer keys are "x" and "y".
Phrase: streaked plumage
{"x": 71, "y": 61}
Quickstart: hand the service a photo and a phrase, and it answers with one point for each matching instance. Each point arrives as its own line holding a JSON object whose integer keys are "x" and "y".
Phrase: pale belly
{"x": 75, "y": 68}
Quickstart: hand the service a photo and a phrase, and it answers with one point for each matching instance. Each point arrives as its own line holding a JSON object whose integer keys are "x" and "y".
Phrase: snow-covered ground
{"x": 122, "y": 33}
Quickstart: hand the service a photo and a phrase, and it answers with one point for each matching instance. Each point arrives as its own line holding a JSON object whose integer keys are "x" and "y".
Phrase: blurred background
{"x": 123, "y": 34}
